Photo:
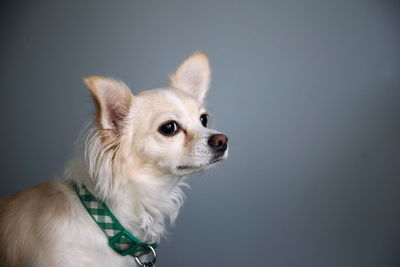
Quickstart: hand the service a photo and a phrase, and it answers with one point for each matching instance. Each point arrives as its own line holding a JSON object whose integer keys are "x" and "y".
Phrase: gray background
{"x": 307, "y": 91}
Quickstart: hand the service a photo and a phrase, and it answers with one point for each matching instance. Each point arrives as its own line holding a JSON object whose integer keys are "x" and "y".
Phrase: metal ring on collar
{"x": 151, "y": 263}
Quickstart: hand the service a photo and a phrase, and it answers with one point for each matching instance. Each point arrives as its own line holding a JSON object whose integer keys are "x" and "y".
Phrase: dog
{"x": 133, "y": 161}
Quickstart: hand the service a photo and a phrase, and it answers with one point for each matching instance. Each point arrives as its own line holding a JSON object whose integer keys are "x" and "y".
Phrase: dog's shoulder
{"x": 26, "y": 218}
{"x": 46, "y": 199}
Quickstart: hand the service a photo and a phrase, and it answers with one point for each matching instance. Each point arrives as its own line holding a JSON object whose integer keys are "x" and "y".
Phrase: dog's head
{"x": 161, "y": 131}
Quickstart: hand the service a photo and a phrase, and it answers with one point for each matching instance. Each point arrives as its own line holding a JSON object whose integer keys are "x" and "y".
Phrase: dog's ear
{"x": 193, "y": 76}
{"x": 112, "y": 99}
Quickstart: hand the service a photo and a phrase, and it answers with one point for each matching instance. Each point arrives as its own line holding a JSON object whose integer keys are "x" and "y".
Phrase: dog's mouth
{"x": 198, "y": 167}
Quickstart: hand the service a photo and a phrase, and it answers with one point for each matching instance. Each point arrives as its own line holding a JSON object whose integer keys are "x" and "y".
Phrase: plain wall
{"x": 307, "y": 91}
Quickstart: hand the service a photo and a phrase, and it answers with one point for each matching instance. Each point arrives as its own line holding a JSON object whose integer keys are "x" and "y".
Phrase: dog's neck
{"x": 144, "y": 204}
{"x": 147, "y": 203}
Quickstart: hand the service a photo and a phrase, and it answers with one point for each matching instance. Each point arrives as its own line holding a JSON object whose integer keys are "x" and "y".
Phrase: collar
{"x": 119, "y": 239}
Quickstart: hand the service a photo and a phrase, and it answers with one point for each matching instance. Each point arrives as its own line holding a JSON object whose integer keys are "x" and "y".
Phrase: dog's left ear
{"x": 193, "y": 76}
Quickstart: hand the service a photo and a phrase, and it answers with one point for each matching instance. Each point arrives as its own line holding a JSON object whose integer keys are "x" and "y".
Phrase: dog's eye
{"x": 204, "y": 119}
{"x": 169, "y": 128}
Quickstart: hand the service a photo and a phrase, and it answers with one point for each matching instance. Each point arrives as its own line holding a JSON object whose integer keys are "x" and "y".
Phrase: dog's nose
{"x": 218, "y": 142}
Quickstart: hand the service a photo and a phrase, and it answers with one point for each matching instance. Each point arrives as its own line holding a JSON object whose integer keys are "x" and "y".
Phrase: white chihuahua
{"x": 112, "y": 205}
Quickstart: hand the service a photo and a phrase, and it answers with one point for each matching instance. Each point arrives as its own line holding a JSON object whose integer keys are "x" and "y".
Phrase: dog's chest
{"x": 85, "y": 245}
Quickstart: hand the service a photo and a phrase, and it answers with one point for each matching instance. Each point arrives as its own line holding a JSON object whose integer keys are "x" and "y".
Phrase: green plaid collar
{"x": 123, "y": 242}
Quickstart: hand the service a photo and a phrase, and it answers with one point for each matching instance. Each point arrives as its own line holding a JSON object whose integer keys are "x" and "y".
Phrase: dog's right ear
{"x": 112, "y": 99}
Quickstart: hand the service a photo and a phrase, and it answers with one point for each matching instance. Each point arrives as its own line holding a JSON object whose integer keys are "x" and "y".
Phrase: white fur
{"x": 125, "y": 161}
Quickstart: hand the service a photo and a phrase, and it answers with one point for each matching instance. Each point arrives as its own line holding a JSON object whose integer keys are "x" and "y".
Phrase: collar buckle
{"x": 152, "y": 262}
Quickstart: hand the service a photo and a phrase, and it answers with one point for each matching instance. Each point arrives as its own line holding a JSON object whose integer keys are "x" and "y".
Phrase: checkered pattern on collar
{"x": 123, "y": 242}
